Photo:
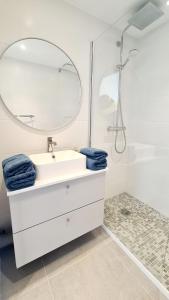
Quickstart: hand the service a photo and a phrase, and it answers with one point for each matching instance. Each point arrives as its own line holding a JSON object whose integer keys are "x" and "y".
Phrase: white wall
{"x": 149, "y": 101}
{"x": 71, "y": 30}
{"x": 148, "y": 114}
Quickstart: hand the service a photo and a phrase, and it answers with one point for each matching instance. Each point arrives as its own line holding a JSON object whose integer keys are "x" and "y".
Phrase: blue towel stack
{"x": 96, "y": 158}
{"x": 19, "y": 172}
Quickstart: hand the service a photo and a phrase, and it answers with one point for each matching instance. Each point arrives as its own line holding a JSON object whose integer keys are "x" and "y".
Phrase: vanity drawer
{"x": 41, "y": 239}
{"x": 34, "y": 207}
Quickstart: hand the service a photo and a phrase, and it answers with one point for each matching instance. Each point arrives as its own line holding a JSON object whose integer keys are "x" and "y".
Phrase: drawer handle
{"x": 68, "y": 220}
{"x": 68, "y": 186}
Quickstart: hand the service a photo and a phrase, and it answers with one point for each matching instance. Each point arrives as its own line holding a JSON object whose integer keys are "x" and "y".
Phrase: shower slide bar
{"x": 115, "y": 128}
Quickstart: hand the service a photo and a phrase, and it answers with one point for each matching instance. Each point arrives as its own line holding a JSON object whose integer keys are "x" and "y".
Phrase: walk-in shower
{"x": 137, "y": 190}
{"x": 140, "y": 20}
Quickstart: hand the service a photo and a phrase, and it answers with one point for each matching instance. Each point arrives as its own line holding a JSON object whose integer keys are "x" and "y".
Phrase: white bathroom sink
{"x": 57, "y": 164}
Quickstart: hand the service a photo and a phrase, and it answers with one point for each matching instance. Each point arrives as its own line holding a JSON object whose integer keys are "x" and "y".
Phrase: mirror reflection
{"x": 108, "y": 92}
{"x": 39, "y": 84}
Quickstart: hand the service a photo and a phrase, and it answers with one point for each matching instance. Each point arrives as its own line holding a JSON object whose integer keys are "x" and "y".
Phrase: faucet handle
{"x": 50, "y": 141}
{"x": 50, "y": 144}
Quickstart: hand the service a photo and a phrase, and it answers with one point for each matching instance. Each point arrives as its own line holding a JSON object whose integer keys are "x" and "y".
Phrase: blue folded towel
{"x": 19, "y": 172}
{"x": 16, "y": 165}
{"x": 95, "y": 158}
{"x": 94, "y": 153}
{"x": 96, "y": 165}
{"x": 21, "y": 181}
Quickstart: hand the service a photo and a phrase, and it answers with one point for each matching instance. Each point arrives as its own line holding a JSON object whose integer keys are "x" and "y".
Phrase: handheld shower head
{"x": 132, "y": 53}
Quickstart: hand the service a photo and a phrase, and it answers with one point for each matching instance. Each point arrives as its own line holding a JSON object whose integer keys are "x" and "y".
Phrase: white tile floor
{"x": 92, "y": 267}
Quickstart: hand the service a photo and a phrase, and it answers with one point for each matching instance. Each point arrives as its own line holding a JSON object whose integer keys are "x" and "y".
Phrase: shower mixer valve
{"x": 116, "y": 128}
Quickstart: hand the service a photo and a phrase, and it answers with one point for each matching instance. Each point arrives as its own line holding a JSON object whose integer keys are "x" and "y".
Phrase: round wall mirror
{"x": 39, "y": 84}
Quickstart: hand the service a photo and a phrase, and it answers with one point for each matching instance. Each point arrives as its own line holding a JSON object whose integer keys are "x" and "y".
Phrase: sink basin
{"x": 58, "y": 164}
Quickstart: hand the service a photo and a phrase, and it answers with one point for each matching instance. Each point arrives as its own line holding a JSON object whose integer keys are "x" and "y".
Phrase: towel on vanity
{"x": 96, "y": 165}
{"x": 94, "y": 153}
{"x": 20, "y": 181}
{"x": 95, "y": 158}
{"x": 16, "y": 165}
{"x": 19, "y": 172}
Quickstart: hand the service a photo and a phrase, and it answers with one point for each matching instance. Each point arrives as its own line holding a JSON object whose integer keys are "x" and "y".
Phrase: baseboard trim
{"x": 153, "y": 279}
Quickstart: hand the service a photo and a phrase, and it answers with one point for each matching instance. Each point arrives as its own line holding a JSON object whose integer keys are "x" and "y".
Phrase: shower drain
{"x": 125, "y": 212}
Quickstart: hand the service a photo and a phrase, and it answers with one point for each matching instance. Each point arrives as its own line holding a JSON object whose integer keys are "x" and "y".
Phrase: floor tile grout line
{"x": 71, "y": 264}
{"x": 48, "y": 281}
{"x": 130, "y": 271}
{"x": 36, "y": 285}
{"x": 155, "y": 281}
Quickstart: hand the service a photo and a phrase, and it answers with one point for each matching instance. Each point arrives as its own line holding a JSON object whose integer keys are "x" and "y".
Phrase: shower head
{"x": 145, "y": 16}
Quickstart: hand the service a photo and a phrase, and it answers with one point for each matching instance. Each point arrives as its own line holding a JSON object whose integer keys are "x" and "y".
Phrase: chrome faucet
{"x": 51, "y": 144}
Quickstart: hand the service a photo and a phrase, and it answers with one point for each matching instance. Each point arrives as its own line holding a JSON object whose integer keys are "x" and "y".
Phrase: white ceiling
{"x": 108, "y": 11}
{"x": 117, "y": 12}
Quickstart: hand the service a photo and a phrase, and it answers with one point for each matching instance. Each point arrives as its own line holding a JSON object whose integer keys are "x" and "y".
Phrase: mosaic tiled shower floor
{"x": 144, "y": 231}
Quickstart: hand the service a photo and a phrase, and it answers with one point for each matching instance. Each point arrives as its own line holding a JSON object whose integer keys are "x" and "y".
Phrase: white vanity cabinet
{"x": 49, "y": 215}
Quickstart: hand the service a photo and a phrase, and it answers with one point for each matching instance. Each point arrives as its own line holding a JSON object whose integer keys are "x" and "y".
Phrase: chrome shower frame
{"x": 90, "y": 95}
{"x": 115, "y": 128}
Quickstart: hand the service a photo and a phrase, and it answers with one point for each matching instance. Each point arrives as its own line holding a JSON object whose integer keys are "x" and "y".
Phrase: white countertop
{"x": 55, "y": 180}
